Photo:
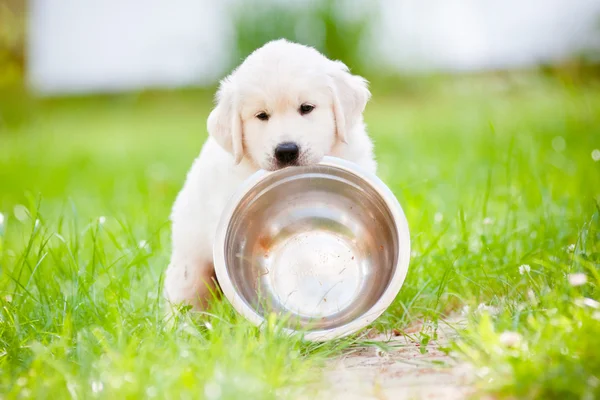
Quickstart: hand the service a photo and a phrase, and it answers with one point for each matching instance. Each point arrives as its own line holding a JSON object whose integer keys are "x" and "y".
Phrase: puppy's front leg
{"x": 190, "y": 281}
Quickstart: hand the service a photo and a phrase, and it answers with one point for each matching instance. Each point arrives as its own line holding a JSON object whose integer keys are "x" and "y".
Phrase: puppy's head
{"x": 285, "y": 105}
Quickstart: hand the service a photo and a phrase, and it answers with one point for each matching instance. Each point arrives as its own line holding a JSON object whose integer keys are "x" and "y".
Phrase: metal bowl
{"x": 325, "y": 245}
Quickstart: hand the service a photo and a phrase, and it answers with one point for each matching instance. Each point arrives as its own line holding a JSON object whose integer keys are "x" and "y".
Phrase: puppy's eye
{"x": 263, "y": 116}
{"x": 306, "y": 108}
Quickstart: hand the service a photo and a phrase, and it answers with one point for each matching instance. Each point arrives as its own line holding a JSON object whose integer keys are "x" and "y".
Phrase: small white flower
{"x": 524, "y": 269}
{"x": 1, "y": 218}
{"x": 596, "y": 315}
{"x": 465, "y": 310}
{"x": 571, "y": 248}
{"x": 438, "y": 217}
{"x": 208, "y": 325}
{"x": 414, "y": 253}
{"x": 185, "y": 354}
{"x": 587, "y": 302}
{"x": 142, "y": 244}
{"x": 101, "y": 219}
{"x": 577, "y": 279}
{"x": 510, "y": 339}
{"x": 151, "y": 391}
{"x": 591, "y": 303}
{"x": 488, "y": 221}
{"x": 97, "y": 386}
{"x": 596, "y": 155}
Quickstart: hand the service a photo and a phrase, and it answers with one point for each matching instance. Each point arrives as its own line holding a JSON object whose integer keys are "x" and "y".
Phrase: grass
{"x": 493, "y": 175}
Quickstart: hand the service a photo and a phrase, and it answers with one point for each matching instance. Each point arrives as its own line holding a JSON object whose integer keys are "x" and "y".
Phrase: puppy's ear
{"x": 350, "y": 96}
{"x": 225, "y": 123}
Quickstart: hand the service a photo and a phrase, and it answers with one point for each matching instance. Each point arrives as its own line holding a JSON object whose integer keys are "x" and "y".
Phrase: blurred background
{"x": 96, "y": 46}
{"x": 82, "y": 81}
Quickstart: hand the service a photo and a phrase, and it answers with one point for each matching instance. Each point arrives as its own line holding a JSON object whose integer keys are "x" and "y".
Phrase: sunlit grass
{"x": 493, "y": 177}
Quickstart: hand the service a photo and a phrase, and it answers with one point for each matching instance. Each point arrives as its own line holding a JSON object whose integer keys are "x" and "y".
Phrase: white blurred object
{"x": 110, "y": 45}
{"x": 469, "y": 35}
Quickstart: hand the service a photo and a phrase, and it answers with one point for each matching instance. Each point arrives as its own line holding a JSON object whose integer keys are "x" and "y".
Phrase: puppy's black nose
{"x": 287, "y": 153}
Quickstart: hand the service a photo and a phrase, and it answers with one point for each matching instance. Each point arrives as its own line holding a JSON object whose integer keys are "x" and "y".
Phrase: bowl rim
{"x": 394, "y": 285}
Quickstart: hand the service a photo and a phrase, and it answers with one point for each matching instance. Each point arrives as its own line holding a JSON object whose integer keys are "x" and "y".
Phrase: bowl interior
{"x": 317, "y": 243}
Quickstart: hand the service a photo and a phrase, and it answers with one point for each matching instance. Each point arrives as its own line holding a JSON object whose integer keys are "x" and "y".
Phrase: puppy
{"x": 286, "y": 105}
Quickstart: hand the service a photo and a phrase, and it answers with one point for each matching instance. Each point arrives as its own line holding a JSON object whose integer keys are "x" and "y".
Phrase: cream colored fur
{"x": 276, "y": 79}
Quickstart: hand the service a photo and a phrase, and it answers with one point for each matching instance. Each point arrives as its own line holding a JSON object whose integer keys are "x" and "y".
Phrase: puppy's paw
{"x": 190, "y": 284}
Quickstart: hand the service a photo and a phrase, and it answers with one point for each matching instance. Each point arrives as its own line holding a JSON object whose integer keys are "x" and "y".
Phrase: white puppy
{"x": 285, "y": 105}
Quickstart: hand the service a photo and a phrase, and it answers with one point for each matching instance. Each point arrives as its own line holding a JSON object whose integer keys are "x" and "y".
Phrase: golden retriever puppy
{"x": 286, "y": 105}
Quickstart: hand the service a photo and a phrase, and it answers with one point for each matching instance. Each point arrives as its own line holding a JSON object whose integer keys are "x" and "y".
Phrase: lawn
{"x": 499, "y": 179}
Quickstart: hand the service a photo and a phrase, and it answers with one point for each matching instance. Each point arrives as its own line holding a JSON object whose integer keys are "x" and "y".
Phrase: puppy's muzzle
{"x": 287, "y": 153}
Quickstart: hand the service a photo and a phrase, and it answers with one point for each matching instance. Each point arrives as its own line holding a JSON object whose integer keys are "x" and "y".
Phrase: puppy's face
{"x": 286, "y": 105}
{"x": 288, "y": 124}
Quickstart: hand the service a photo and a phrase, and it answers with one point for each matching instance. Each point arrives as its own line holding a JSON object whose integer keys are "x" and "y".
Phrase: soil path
{"x": 401, "y": 372}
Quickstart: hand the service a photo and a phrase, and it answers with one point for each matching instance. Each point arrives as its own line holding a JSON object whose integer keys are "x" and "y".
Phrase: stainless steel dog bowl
{"x": 325, "y": 245}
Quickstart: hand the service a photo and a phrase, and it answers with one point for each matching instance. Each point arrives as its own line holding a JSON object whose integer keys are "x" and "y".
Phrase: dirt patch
{"x": 399, "y": 372}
